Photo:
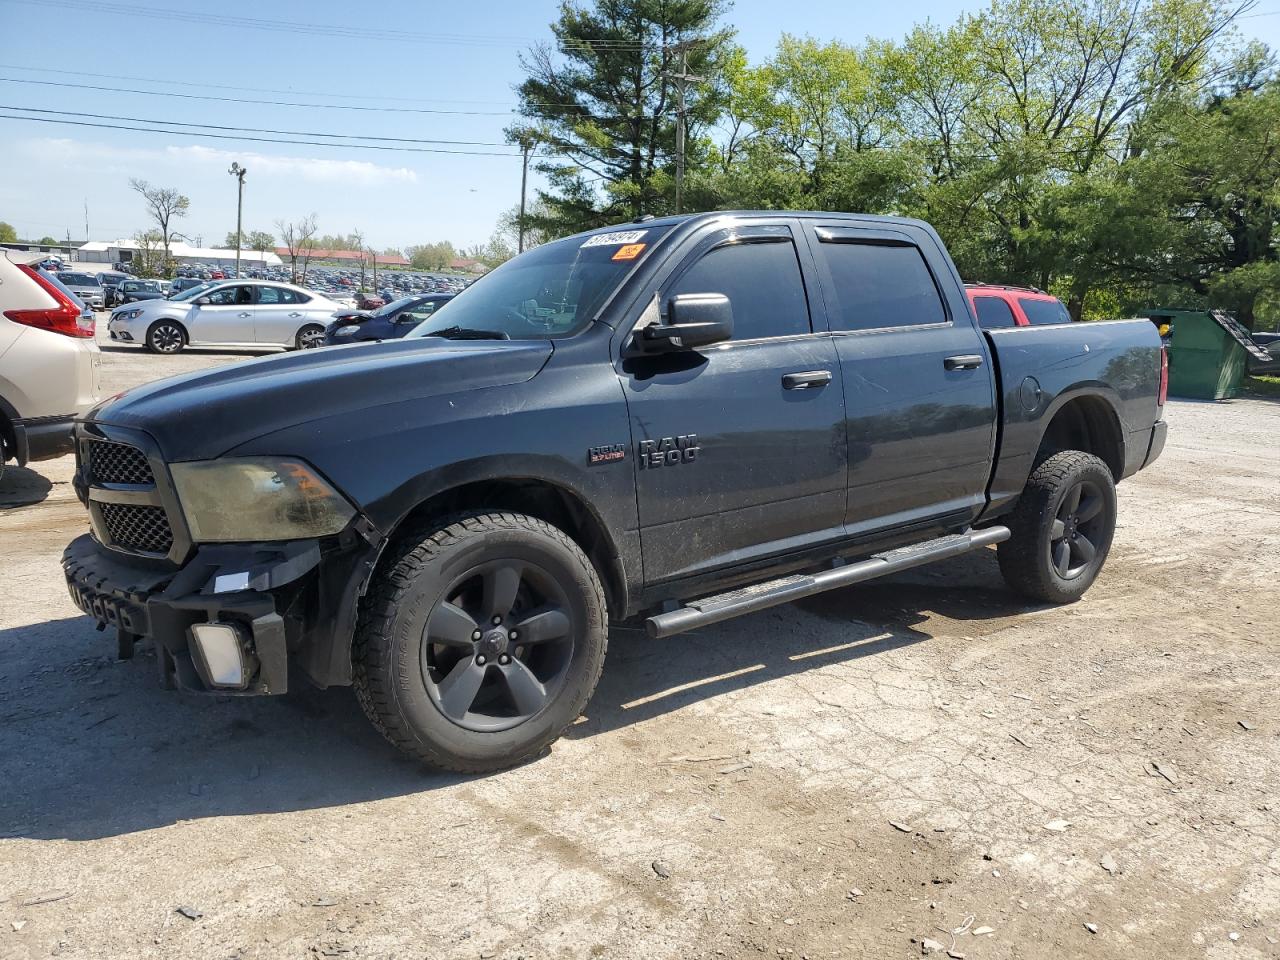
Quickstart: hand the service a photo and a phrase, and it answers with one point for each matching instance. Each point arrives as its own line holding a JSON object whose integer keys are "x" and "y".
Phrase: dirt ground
{"x": 922, "y": 757}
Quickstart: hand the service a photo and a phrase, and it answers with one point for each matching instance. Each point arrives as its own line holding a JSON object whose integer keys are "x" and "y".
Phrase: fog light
{"x": 219, "y": 654}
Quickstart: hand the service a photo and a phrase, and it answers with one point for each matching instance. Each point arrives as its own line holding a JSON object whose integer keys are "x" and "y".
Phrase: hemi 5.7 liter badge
{"x": 607, "y": 453}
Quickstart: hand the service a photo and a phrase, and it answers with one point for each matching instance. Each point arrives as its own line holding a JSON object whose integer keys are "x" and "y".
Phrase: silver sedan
{"x": 226, "y": 313}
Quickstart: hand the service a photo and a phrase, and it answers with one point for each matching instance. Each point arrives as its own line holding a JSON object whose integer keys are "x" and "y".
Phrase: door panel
{"x": 279, "y": 316}
{"x": 228, "y": 318}
{"x": 919, "y": 399}
{"x": 731, "y": 464}
{"x": 748, "y": 468}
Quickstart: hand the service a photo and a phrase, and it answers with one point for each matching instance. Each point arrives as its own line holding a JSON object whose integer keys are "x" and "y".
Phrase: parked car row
{"x": 246, "y": 313}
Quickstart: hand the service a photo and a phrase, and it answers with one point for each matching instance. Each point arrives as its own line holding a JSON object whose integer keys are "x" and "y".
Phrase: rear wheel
{"x": 481, "y": 641}
{"x": 1062, "y": 528}
{"x": 166, "y": 336}
{"x": 309, "y": 337}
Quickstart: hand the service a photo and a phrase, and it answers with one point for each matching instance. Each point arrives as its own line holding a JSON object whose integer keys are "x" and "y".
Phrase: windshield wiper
{"x": 467, "y": 333}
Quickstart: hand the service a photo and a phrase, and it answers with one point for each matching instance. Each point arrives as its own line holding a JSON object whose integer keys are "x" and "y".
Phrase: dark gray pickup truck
{"x": 672, "y": 422}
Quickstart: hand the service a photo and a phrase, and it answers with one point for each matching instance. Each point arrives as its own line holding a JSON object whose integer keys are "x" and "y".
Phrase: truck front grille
{"x": 118, "y": 463}
{"x": 126, "y": 504}
{"x": 139, "y": 529}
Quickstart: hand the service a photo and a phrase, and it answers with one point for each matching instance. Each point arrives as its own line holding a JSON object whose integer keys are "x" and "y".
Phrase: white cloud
{"x": 75, "y": 153}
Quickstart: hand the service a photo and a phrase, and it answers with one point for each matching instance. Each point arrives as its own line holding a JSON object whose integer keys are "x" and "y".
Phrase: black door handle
{"x": 968, "y": 361}
{"x": 805, "y": 380}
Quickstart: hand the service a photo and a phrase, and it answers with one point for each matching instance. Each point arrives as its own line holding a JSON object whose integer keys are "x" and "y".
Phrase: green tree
{"x": 1213, "y": 165}
{"x": 260, "y": 240}
{"x": 254, "y": 240}
{"x": 431, "y": 256}
{"x": 46, "y": 241}
{"x": 598, "y": 104}
{"x": 7, "y": 233}
{"x": 150, "y": 260}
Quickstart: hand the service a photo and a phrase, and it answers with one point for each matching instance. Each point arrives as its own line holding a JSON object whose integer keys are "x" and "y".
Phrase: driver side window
{"x": 229, "y": 296}
{"x": 763, "y": 283}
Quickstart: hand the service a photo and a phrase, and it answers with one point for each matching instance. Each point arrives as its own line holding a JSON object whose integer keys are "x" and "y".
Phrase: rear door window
{"x": 763, "y": 283}
{"x": 1043, "y": 312}
{"x": 993, "y": 313}
{"x": 879, "y": 285}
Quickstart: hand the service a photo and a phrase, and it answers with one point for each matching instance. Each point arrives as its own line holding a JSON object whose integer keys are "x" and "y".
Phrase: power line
{"x": 295, "y": 93}
{"x": 226, "y": 86}
{"x": 342, "y": 31}
{"x": 219, "y": 136}
{"x": 289, "y": 133}
{"x": 274, "y": 103}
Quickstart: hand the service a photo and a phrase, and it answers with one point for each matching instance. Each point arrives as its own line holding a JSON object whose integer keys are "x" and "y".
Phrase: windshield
{"x": 192, "y": 292}
{"x": 552, "y": 291}
{"x": 78, "y": 279}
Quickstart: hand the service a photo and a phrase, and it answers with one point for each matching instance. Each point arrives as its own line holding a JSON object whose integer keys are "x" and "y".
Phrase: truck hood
{"x": 202, "y": 415}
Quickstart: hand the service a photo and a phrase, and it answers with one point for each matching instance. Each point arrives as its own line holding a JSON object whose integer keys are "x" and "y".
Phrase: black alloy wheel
{"x": 1076, "y": 530}
{"x": 1061, "y": 528}
{"x": 495, "y": 652}
{"x": 480, "y": 640}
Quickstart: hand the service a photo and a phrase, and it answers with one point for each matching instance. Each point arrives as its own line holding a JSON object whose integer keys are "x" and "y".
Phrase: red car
{"x": 217, "y": 275}
{"x": 1001, "y": 306}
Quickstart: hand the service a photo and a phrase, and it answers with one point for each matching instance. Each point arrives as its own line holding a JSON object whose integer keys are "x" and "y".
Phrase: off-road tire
{"x": 412, "y": 578}
{"x": 157, "y": 342}
{"x": 1026, "y": 558}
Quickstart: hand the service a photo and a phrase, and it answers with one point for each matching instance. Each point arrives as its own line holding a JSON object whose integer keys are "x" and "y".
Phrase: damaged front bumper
{"x": 234, "y": 617}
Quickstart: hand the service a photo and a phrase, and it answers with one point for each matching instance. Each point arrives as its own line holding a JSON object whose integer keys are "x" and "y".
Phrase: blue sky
{"x": 463, "y": 59}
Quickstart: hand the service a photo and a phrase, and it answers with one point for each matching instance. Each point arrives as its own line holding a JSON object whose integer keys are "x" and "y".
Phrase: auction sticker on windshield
{"x": 614, "y": 239}
{"x": 628, "y": 252}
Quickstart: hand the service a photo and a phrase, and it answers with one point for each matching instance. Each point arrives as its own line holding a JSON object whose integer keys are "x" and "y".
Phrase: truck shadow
{"x": 91, "y": 747}
{"x": 23, "y": 486}
{"x": 644, "y": 678}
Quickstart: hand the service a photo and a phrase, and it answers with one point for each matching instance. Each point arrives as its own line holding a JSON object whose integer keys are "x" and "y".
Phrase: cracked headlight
{"x": 258, "y": 498}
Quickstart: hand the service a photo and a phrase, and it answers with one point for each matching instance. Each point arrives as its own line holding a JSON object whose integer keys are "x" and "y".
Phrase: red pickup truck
{"x": 1001, "y": 306}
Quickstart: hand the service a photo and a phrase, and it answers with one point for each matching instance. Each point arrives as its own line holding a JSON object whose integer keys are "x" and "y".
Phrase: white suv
{"x": 49, "y": 362}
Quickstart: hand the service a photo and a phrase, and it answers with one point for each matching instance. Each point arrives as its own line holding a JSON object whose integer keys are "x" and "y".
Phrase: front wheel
{"x": 481, "y": 641}
{"x": 1062, "y": 528}
{"x": 165, "y": 336}
{"x": 309, "y": 337}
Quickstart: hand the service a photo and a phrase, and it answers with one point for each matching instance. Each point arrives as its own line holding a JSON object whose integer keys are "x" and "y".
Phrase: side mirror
{"x": 202, "y": 301}
{"x": 693, "y": 320}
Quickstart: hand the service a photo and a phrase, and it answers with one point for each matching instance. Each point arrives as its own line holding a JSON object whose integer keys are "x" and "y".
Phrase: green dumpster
{"x": 1208, "y": 352}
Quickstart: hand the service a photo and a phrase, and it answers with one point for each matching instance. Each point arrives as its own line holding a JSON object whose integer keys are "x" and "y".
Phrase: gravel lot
{"x": 919, "y": 757}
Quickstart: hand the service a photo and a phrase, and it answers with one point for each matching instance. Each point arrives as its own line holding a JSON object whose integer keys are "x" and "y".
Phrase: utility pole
{"x": 524, "y": 185}
{"x": 238, "y": 172}
{"x": 682, "y": 79}
{"x": 373, "y": 255}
